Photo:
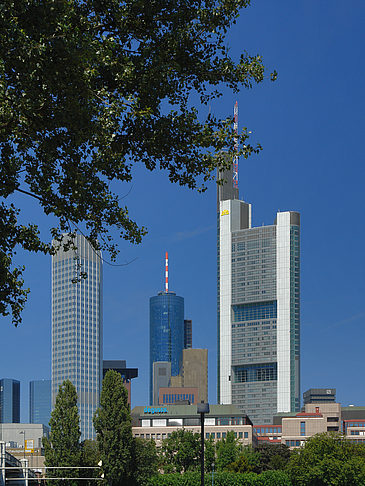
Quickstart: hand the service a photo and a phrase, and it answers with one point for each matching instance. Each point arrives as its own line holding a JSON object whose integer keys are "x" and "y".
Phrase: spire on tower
{"x": 235, "y": 160}
{"x": 167, "y": 273}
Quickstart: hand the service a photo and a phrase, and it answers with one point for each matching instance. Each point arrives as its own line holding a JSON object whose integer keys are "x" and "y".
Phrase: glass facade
{"x": 40, "y": 402}
{"x": 166, "y": 332}
{"x": 9, "y": 401}
{"x": 77, "y": 327}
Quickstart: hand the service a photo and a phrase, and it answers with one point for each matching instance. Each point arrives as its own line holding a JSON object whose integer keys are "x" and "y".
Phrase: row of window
{"x": 267, "y": 430}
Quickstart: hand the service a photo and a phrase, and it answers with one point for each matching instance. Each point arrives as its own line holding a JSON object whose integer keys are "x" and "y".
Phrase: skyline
{"x": 309, "y": 121}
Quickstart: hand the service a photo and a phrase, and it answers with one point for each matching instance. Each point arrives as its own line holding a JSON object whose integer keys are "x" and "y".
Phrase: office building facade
{"x": 258, "y": 309}
{"x": 161, "y": 376}
{"x": 40, "y": 402}
{"x": 77, "y": 327}
{"x": 188, "y": 333}
{"x": 127, "y": 374}
{"x": 166, "y": 332}
{"x": 9, "y": 401}
{"x": 319, "y": 395}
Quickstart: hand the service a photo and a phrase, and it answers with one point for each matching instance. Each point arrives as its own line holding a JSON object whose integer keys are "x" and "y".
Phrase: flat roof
{"x": 186, "y": 411}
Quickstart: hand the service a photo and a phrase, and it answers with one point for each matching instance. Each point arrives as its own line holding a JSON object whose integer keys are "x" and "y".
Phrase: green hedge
{"x": 267, "y": 478}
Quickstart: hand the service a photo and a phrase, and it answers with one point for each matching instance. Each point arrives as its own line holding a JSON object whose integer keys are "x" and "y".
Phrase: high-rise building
{"x": 258, "y": 309}
{"x": 166, "y": 331}
{"x": 194, "y": 371}
{"x": 319, "y": 395}
{"x": 9, "y": 401}
{"x": 188, "y": 334}
{"x": 161, "y": 375}
{"x": 77, "y": 327}
{"x": 127, "y": 374}
{"x": 40, "y": 402}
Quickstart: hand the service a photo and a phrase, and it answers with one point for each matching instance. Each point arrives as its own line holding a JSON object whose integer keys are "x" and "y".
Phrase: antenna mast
{"x": 235, "y": 160}
{"x": 167, "y": 273}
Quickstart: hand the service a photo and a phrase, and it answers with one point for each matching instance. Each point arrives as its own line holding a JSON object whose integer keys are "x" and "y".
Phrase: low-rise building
{"x": 158, "y": 423}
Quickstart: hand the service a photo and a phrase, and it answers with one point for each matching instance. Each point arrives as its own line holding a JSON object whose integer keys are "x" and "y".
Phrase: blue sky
{"x": 311, "y": 125}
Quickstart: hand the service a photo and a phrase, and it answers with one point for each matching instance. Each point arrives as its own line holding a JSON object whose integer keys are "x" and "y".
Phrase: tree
{"x": 249, "y": 460}
{"x": 181, "y": 451}
{"x": 273, "y": 456}
{"x": 90, "y": 458}
{"x": 112, "y": 422}
{"x": 228, "y": 450}
{"x": 145, "y": 461}
{"x": 63, "y": 446}
{"x": 87, "y": 90}
{"x": 327, "y": 459}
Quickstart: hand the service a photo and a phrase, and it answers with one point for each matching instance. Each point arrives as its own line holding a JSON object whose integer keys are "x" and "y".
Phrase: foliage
{"x": 145, "y": 460}
{"x": 273, "y": 456}
{"x": 328, "y": 459}
{"x": 248, "y": 461}
{"x": 228, "y": 450}
{"x": 63, "y": 446}
{"x": 209, "y": 454}
{"x": 90, "y": 458}
{"x": 223, "y": 478}
{"x": 180, "y": 452}
{"x": 88, "y": 89}
{"x": 112, "y": 422}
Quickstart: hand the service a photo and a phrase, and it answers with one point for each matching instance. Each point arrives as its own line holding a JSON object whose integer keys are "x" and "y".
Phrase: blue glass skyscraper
{"x": 40, "y": 402}
{"x": 77, "y": 327}
{"x": 166, "y": 331}
{"x": 9, "y": 401}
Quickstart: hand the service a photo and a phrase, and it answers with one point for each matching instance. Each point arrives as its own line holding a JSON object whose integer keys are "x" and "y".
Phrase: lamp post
{"x": 212, "y": 473}
{"x": 23, "y": 432}
{"x": 202, "y": 408}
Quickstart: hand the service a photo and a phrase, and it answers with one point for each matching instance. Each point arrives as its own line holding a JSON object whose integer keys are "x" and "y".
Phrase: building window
{"x": 302, "y": 428}
{"x": 246, "y": 435}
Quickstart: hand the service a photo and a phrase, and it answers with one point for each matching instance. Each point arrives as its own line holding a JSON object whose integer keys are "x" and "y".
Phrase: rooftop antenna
{"x": 167, "y": 273}
{"x": 235, "y": 159}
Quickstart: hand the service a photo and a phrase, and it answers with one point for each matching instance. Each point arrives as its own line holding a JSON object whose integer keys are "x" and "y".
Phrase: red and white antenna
{"x": 167, "y": 273}
{"x": 235, "y": 160}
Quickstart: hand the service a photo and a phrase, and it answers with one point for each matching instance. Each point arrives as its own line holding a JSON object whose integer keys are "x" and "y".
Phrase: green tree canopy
{"x": 88, "y": 89}
{"x": 63, "y": 446}
{"x": 228, "y": 450}
{"x": 112, "y": 422}
{"x": 181, "y": 451}
{"x": 328, "y": 460}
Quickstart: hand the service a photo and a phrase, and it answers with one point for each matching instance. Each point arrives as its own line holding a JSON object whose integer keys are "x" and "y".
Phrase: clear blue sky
{"x": 311, "y": 125}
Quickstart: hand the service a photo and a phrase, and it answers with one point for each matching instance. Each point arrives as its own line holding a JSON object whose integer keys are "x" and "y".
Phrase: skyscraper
{"x": 77, "y": 327}
{"x": 40, "y": 402}
{"x": 9, "y": 401}
{"x": 258, "y": 309}
{"x": 166, "y": 330}
{"x": 188, "y": 334}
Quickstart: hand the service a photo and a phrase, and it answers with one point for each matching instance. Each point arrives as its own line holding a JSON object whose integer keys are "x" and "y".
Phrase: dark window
{"x": 332, "y": 429}
{"x": 332, "y": 419}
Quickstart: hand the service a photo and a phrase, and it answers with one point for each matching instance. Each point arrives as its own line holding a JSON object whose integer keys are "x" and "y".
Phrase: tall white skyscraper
{"x": 77, "y": 327}
{"x": 258, "y": 309}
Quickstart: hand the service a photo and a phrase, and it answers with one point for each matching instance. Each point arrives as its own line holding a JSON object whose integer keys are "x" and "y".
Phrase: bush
{"x": 224, "y": 478}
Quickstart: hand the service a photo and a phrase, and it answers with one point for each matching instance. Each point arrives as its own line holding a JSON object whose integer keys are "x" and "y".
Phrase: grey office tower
{"x": 77, "y": 327}
{"x": 258, "y": 309}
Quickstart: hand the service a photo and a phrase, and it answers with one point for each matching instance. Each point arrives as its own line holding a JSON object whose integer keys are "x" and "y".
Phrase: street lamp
{"x": 212, "y": 473}
{"x": 23, "y": 432}
{"x": 202, "y": 408}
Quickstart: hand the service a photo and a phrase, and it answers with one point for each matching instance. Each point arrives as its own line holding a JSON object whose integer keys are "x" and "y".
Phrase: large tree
{"x": 63, "y": 446}
{"x": 90, "y": 88}
{"x": 112, "y": 422}
{"x": 328, "y": 460}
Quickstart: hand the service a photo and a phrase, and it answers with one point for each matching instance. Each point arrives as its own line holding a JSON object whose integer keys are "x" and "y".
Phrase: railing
{"x": 12, "y": 460}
